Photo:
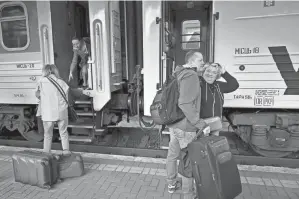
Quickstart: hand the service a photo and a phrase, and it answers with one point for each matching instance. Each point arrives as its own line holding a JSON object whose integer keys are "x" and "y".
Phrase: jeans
{"x": 48, "y": 134}
{"x": 178, "y": 139}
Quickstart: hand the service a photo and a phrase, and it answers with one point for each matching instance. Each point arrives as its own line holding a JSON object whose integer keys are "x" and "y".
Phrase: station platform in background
{"x": 114, "y": 176}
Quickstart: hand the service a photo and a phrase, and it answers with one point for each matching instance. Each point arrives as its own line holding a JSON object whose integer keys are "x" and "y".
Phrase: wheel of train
{"x": 132, "y": 103}
{"x": 29, "y": 133}
{"x": 270, "y": 154}
{"x": 269, "y": 141}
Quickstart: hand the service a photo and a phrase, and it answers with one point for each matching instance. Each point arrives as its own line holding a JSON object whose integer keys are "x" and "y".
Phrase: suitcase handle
{"x": 199, "y": 133}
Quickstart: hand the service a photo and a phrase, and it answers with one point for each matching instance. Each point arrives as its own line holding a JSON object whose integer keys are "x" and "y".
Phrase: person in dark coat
{"x": 212, "y": 90}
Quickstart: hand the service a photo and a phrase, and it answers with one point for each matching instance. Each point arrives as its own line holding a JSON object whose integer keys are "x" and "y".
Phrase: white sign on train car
{"x": 258, "y": 44}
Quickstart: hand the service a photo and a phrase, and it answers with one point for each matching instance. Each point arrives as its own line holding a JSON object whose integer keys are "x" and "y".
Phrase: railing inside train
{"x": 45, "y": 44}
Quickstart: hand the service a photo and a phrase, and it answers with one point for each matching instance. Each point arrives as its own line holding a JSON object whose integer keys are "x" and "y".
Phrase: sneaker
{"x": 66, "y": 153}
{"x": 172, "y": 188}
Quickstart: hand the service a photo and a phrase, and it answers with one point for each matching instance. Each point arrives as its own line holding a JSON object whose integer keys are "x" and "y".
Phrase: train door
{"x": 192, "y": 26}
{"x": 105, "y": 65}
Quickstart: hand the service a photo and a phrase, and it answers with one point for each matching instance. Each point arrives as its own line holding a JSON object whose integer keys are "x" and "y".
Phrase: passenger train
{"x": 135, "y": 46}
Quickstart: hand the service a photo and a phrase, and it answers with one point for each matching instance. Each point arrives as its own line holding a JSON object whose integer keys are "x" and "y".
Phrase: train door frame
{"x": 204, "y": 17}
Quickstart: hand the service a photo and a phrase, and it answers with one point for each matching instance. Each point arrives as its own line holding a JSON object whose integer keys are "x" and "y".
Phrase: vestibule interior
{"x": 187, "y": 26}
{"x": 69, "y": 19}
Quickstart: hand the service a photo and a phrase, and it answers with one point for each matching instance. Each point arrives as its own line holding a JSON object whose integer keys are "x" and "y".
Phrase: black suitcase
{"x": 214, "y": 168}
{"x": 71, "y": 166}
{"x": 35, "y": 168}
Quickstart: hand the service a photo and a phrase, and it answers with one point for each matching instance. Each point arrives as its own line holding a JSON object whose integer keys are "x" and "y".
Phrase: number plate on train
{"x": 264, "y": 101}
{"x": 25, "y": 65}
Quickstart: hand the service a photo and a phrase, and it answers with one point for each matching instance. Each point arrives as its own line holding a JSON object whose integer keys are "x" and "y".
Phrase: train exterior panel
{"x": 257, "y": 42}
{"x": 26, "y": 44}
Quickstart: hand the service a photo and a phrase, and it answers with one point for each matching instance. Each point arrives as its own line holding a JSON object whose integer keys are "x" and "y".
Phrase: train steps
{"x": 84, "y": 129}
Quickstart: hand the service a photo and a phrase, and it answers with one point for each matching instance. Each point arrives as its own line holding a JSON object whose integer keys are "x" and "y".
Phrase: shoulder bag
{"x": 73, "y": 117}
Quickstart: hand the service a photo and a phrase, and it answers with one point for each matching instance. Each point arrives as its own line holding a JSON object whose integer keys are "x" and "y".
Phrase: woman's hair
{"x": 50, "y": 69}
{"x": 208, "y": 64}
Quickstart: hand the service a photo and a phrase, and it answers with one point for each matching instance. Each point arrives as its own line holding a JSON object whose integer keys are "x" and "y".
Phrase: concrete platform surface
{"x": 113, "y": 176}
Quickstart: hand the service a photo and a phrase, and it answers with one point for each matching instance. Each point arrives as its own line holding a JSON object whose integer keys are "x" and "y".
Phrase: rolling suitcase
{"x": 214, "y": 168}
{"x": 185, "y": 167}
{"x": 71, "y": 166}
{"x": 35, "y": 168}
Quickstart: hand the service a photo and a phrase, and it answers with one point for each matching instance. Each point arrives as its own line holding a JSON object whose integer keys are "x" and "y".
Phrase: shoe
{"x": 172, "y": 188}
{"x": 66, "y": 153}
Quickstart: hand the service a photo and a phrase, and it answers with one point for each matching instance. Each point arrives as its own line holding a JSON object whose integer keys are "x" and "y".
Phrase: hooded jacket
{"x": 212, "y": 99}
{"x": 189, "y": 100}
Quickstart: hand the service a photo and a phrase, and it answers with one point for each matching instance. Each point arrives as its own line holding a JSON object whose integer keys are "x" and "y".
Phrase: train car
{"x": 135, "y": 46}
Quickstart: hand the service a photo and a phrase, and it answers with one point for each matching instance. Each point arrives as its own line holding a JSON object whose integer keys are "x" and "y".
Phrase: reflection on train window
{"x": 191, "y": 34}
{"x": 14, "y": 26}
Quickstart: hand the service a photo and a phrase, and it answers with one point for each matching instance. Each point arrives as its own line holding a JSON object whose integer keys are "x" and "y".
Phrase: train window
{"x": 14, "y": 29}
{"x": 191, "y": 34}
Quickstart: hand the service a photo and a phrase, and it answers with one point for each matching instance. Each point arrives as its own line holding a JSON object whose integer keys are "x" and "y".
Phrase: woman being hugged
{"x": 212, "y": 90}
{"x": 53, "y": 107}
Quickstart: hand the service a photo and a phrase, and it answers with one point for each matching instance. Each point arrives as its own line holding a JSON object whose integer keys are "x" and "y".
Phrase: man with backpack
{"x": 183, "y": 131}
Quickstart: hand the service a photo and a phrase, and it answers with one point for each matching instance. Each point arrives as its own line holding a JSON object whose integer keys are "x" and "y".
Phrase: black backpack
{"x": 164, "y": 109}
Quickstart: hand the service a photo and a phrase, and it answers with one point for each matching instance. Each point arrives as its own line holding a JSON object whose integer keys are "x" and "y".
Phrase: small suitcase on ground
{"x": 35, "y": 168}
{"x": 71, "y": 166}
{"x": 214, "y": 168}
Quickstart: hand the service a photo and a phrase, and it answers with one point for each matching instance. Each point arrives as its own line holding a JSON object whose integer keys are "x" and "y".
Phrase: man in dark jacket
{"x": 182, "y": 132}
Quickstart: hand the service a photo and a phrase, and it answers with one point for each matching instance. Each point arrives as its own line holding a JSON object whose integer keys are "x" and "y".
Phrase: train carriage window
{"x": 14, "y": 29}
{"x": 191, "y": 34}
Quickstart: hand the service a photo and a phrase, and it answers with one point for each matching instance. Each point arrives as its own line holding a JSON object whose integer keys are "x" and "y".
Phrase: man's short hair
{"x": 190, "y": 54}
{"x": 76, "y": 38}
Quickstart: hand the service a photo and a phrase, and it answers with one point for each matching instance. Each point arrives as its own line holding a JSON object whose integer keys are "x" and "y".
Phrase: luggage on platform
{"x": 35, "y": 168}
{"x": 71, "y": 166}
{"x": 185, "y": 167}
{"x": 214, "y": 168}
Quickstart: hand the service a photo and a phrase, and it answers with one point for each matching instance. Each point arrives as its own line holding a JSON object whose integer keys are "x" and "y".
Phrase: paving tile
{"x": 138, "y": 179}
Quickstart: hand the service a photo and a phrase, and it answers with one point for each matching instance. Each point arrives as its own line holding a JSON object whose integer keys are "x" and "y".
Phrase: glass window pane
{"x": 12, "y": 11}
{"x": 14, "y": 33}
{"x": 191, "y": 34}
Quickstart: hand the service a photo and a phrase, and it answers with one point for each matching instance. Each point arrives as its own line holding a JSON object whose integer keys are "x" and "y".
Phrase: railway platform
{"x": 114, "y": 176}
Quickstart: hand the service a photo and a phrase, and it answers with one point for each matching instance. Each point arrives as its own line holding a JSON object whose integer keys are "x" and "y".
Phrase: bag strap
{"x": 59, "y": 89}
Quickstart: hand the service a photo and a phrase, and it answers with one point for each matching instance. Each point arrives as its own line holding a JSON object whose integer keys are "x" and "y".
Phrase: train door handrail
{"x": 45, "y": 44}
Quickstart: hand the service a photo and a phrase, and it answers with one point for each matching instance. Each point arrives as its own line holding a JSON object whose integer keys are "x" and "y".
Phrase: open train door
{"x": 152, "y": 63}
{"x": 105, "y": 60}
{"x": 25, "y": 46}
